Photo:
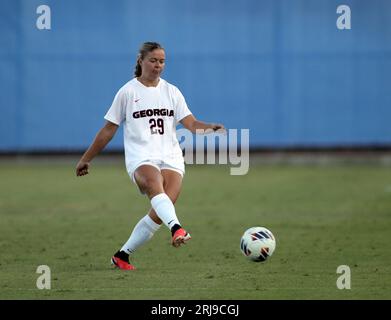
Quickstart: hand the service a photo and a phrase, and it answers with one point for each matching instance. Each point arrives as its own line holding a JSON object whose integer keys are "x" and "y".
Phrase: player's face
{"x": 153, "y": 64}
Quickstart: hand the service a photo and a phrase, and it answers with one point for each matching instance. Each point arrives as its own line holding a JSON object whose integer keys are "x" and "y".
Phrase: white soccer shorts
{"x": 177, "y": 166}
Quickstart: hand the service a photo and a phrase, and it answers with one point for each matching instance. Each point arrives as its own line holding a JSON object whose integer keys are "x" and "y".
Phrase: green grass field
{"x": 322, "y": 217}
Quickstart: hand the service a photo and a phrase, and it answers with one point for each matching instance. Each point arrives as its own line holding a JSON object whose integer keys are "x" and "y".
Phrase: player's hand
{"x": 82, "y": 168}
{"x": 219, "y": 128}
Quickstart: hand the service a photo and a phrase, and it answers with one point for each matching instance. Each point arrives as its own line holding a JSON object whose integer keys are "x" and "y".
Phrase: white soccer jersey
{"x": 150, "y": 116}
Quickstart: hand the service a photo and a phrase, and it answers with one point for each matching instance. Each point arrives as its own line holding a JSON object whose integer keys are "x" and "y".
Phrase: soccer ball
{"x": 257, "y": 244}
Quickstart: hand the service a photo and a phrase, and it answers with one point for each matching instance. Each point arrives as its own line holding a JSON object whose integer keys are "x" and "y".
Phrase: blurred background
{"x": 280, "y": 68}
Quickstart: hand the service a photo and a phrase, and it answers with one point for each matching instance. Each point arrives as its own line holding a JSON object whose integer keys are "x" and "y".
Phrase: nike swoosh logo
{"x": 170, "y": 221}
{"x": 136, "y": 100}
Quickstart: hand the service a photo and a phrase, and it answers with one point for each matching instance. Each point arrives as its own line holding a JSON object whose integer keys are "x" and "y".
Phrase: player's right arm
{"x": 102, "y": 138}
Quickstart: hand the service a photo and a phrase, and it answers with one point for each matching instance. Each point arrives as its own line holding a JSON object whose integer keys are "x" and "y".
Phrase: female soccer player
{"x": 150, "y": 109}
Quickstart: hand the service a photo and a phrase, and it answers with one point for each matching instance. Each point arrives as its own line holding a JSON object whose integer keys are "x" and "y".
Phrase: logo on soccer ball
{"x": 258, "y": 244}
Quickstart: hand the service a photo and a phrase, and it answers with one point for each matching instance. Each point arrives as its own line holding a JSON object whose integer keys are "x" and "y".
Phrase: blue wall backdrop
{"x": 280, "y": 68}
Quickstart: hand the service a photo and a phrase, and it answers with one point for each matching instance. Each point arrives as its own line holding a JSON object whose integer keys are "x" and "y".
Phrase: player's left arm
{"x": 192, "y": 124}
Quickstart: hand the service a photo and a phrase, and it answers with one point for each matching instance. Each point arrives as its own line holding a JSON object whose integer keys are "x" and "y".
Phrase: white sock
{"x": 165, "y": 209}
{"x": 142, "y": 232}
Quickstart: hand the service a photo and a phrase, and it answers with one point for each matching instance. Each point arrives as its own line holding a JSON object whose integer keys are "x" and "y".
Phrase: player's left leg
{"x": 172, "y": 184}
{"x": 173, "y": 181}
{"x": 149, "y": 224}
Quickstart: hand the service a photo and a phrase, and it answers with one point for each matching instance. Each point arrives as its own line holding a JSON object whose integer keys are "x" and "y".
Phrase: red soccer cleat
{"x": 179, "y": 237}
{"x": 121, "y": 264}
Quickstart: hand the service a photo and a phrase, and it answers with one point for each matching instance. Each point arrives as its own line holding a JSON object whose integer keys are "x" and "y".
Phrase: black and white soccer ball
{"x": 258, "y": 244}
